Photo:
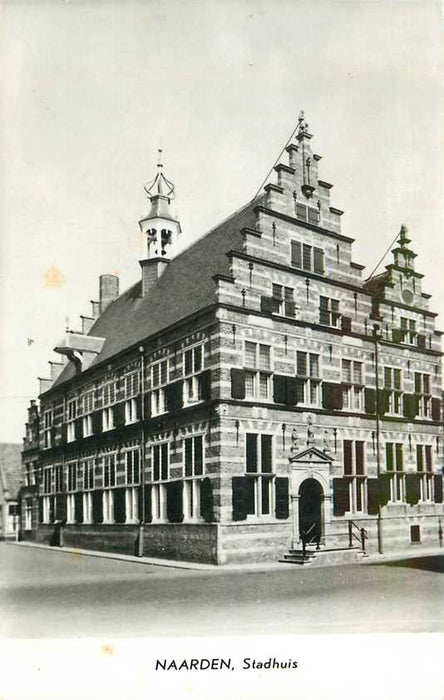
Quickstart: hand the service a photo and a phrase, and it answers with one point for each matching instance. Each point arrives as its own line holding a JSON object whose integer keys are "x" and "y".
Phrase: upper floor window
{"x": 393, "y": 387}
{"x": 58, "y": 478}
{"x": 423, "y": 393}
{"x": 71, "y": 409}
{"x": 71, "y": 476}
{"x": 354, "y": 467}
{"x": 87, "y": 469}
{"x": 329, "y": 312}
{"x": 131, "y": 384}
{"x": 352, "y": 380}
{"x": 47, "y": 426}
{"x": 283, "y": 300}
{"x": 308, "y": 384}
{"x": 109, "y": 470}
{"x": 424, "y": 468}
{"x": 193, "y": 455}
{"x": 307, "y": 257}
{"x": 132, "y": 466}
{"x": 160, "y": 461}
{"x": 305, "y": 213}
{"x": 395, "y": 463}
{"x": 108, "y": 391}
{"x": 408, "y": 328}
{"x": 107, "y": 418}
{"x": 47, "y": 480}
{"x": 258, "y": 374}
{"x": 159, "y": 373}
{"x": 86, "y": 403}
{"x": 192, "y": 365}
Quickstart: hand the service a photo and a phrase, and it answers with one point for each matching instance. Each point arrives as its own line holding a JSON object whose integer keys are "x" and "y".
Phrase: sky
{"x": 90, "y": 90}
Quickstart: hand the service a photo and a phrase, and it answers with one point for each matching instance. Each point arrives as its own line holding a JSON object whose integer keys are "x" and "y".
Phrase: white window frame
{"x": 108, "y": 506}
{"x": 130, "y": 411}
{"x": 107, "y": 418}
{"x": 131, "y": 505}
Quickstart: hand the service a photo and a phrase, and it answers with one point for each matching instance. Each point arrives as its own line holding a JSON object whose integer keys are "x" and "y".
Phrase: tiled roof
{"x": 10, "y": 468}
{"x": 185, "y": 287}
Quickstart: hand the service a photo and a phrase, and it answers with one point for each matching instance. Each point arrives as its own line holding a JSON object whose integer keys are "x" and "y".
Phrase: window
{"x": 130, "y": 411}
{"x": 424, "y": 467}
{"x": 259, "y": 466}
{"x": 354, "y": 467}
{"x": 58, "y": 478}
{"x": 193, "y": 467}
{"x": 107, "y": 418}
{"x": 160, "y": 473}
{"x": 87, "y": 426}
{"x": 47, "y": 474}
{"x": 71, "y": 476}
{"x": 31, "y": 476}
{"x": 132, "y": 466}
{"x": 408, "y": 329}
{"x": 28, "y": 514}
{"x": 86, "y": 403}
{"x": 192, "y": 363}
{"x": 352, "y": 385}
{"x": 329, "y": 312}
{"x": 131, "y": 384}
{"x": 108, "y": 392}
{"x": 71, "y": 409}
{"x": 87, "y": 470}
{"x": 306, "y": 257}
{"x": 393, "y": 387}
{"x": 395, "y": 464}
{"x": 308, "y": 379}
{"x": 283, "y": 301}
{"x": 423, "y": 393}
{"x": 257, "y": 376}
{"x": 70, "y": 508}
{"x": 109, "y": 470}
{"x": 159, "y": 378}
{"x": 47, "y": 428}
{"x": 108, "y": 506}
{"x": 87, "y": 507}
{"x": 131, "y": 505}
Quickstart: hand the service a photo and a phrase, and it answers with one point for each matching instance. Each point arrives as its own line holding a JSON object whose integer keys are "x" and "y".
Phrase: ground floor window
{"x": 397, "y": 488}
{"x": 357, "y": 492}
{"x": 426, "y": 487}
{"x": 191, "y": 499}
{"x": 158, "y": 502}
{"x": 70, "y": 508}
{"x": 108, "y": 506}
{"x": 131, "y": 505}
{"x": 87, "y": 507}
{"x": 46, "y": 509}
{"x": 28, "y": 514}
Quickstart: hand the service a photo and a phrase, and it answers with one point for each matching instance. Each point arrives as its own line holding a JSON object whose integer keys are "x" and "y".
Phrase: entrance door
{"x": 310, "y": 510}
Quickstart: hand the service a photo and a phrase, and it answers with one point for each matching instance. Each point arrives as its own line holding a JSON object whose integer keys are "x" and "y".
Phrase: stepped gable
{"x": 184, "y": 288}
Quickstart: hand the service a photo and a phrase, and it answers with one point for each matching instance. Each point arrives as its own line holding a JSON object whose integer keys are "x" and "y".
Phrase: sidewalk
{"x": 372, "y": 558}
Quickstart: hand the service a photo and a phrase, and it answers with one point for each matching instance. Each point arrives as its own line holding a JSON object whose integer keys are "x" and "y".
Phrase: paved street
{"x": 51, "y": 593}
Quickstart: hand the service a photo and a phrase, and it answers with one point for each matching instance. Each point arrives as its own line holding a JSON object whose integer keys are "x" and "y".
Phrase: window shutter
{"x": 175, "y": 501}
{"x": 205, "y": 385}
{"x": 64, "y": 433}
{"x": 239, "y": 495}
{"x": 51, "y": 509}
{"x": 359, "y": 448}
{"x": 410, "y": 406}
{"x": 97, "y": 506}
{"x": 206, "y": 500}
{"x": 291, "y": 391}
{"x": 78, "y": 507}
{"x": 384, "y": 489}
{"x": 60, "y": 507}
{"x": 332, "y": 396}
{"x": 147, "y": 405}
{"x": 346, "y": 324}
{"x": 389, "y": 456}
{"x": 237, "y": 383}
{"x": 438, "y": 488}
{"x": 421, "y": 341}
{"x": 373, "y": 496}
{"x": 282, "y": 506}
{"x": 40, "y": 510}
{"x": 279, "y": 388}
{"x": 251, "y": 453}
{"x": 318, "y": 261}
{"x": 119, "y": 505}
{"x": 397, "y": 335}
{"x": 341, "y": 496}
{"x": 412, "y": 488}
{"x": 97, "y": 422}
{"x": 266, "y": 454}
{"x": 268, "y": 305}
{"x": 173, "y": 396}
{"x": 119, "y": 414}
{"x": 78, "y": 429}
{"x": 296, "y": 255}
{"x": 148, "y": 510}
{"x": 384, "y": 401}
{"x": 436, "y": 409}
{"x": 370, "y": 400}
{"x": 348, "y": 465}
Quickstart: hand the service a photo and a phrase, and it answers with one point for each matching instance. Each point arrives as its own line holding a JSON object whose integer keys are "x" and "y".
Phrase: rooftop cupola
{"x": 160, "y": 226}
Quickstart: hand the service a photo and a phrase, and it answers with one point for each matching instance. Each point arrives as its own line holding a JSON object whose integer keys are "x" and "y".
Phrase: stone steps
{"x": 323, "y": 557}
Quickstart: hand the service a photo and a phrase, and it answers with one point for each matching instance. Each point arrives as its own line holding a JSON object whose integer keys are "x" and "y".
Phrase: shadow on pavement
{"x": 433, "y": 563}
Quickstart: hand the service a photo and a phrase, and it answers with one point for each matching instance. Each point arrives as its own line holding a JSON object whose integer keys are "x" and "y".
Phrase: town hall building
{"x": 247, "y": 399}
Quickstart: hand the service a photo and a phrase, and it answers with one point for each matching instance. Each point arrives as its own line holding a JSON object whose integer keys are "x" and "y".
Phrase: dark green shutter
{"x": 346, "y": 324}
{"x": 290, "y": 308}
{"x": 291, "y": 391}
{"x": 147, "y": 405}
{"x": 412, "y": 488}
{"x": 64, "y": 433}
{"x": 389, "y": 456}
{"x": 384, "y": 401}
{"x": 174, "y": 397}
{"x": 175, "y": 501}
{"x": 266, "y": 454}
{"x": 341, "y": 496}
{"x": 51, "y": 509}
{"x": 268, "y": 305}
{"x": 96, "y": 420}
{"x": 438, "y": 488}
{"x": 78, "y": 507}
{"x": 97, "y": 506}
{"x": 279, "y": 388}
{"x": 119, "y": 414}
{"x": 205, "y": 385}
{"x": 251, "y": 453}
{"x": 318, "y": 260}
{"x": 148, "y": 508}
{"x": 384, "y": 488}
{"x": 237, "y": 383}
{"x": 206, "y": 500}
{"x": 436, "y": 409}
{"x": 296, "y": 256}
{"x": 40, "y": 500}
{"x": 421, "y": 341}
{"x": 410, "y": 406}
{"x": 282, "y": 505}
{"x": 348, "y": 457}
{"x": 332, "y": 396}
{"x": 78, "y": 429}
{"x": 397, "y": 335}
{"x": 373, "y": 496}
{"x": 239, "y": 500}
{"x": 119, "y": 505}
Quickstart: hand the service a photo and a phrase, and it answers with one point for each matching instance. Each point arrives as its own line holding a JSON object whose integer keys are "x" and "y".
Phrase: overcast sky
{"x": 91, "y": 89}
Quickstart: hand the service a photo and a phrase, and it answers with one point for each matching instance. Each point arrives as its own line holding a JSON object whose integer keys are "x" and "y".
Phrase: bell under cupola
{"x": 160, "y": 227}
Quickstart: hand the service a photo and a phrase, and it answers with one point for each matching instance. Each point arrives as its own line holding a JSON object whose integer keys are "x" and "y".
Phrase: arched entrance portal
{"x": 311, "y": 497}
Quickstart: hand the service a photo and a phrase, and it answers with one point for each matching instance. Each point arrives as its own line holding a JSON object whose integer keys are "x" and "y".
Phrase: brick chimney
{"x": 109, "y": 290}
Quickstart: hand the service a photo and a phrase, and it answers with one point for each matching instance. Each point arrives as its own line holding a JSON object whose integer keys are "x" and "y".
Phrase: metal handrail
{"x": 363, "y": 535}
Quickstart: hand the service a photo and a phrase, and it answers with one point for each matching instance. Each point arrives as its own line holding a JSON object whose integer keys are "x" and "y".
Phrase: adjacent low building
{"x": 247, "y": 395}
{"x": 11, "y": 479}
